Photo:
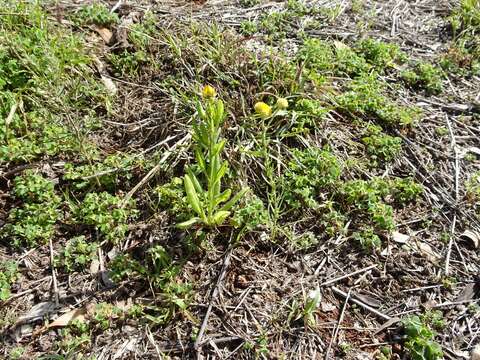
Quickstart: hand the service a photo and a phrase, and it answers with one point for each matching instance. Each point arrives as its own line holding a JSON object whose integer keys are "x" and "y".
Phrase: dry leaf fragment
{"x": 65, "y": 319}
{"x": 327, "y": 307}
{"x": 472, "y": 236}
{"x": 427, "y": 251}
{"x": 400, "y": 238}
{"x": 105, "y": 34}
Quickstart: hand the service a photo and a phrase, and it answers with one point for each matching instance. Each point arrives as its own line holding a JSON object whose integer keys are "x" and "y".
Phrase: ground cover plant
{"x": 239, "y": 179}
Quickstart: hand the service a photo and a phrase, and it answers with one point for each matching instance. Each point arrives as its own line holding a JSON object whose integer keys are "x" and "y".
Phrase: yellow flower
{"x": 282, "y": 103}
{"x": 263, "y": 109}
{"x": 209, "y": 91}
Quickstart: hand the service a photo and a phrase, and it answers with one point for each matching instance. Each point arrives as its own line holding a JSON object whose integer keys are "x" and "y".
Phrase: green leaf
{"x": 220, "y": 217}
{"x": 234, "y": 200}
{"x": 200, "y": 159}
{"x": 195, "y": 181}
{"x": 188, "y": 223}
{"x": 223, "y": 197}
{"x": 219, "y": 147}
{"x": 192, "y": 196}
{"x": 219, "y": 111}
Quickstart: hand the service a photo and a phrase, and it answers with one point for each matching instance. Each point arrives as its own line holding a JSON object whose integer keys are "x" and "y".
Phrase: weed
{"x": 441, "y": 130}
{"x": 332, "y": 220}
{"x": 305, "y": 240}
{"x": 141, "y": 34}
{"x": 107, "y": 213}
{"x": 251, "y": 214}
{"x": 367, "y": 239}
{"x": 405, "y": 190}
{"x": 424, "y": 76}
{"x": 308, "y": 113}
{"x": 380, "y": 55}
{"x": 8, "y": 275}
{"x": 364, "y": 98}
{"x": 317, "y": 55}
{"x": 78, "y": 254}
{"x": 209, "y": 146}
{"x": 128, "y": 63}
{"x": 17, "y": 353}
{"x": 420, "y": 337}
{"x": 34, "y": 188}
{"x": 310, "y": 171}
{"x": 380, "y": 146}
{"x": 96, "y": 14}
{"x": 311, "y": 304}
{"x": 382, "y": 215}
{"x": 35, "y": 221}
{"x": 348, "y": 62}
{"x": 248, "y": 27}
{"x": 39, "y": 86}
{"x": 472, "y": 187}
{"x": 104, "y": 314}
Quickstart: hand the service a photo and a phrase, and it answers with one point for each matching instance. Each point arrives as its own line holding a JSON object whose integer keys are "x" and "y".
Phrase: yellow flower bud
{"x": 282, "y": 103}
{"x": 263, "y": 109}
{"x": 209, "y": 91}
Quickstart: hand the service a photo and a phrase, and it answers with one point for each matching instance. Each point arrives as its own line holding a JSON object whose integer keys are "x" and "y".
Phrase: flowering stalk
{"x": 208, "y": 149}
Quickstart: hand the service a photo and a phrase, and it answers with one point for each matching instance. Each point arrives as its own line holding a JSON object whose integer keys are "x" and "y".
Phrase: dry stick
{"x": 457, "y": 174}
{"x": 360, "y": 303}
{"x": 337, "y": 327}
{"x": 226, "y": 262}
{"x": 154, "y": 169}
{"x": 54, "y": 276}
{"x": 328, "y": 282}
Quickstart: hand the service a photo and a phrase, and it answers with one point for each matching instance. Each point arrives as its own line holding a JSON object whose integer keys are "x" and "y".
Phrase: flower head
{"x": 282, "y": 103}
{"x": 263, "y": 109}
{"x": 209, "y": 91}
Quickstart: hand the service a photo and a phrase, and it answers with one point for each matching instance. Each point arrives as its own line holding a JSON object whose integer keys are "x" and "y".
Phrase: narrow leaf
{"x": 220, "y": 217}
{"x": 192, "y": 196}
{"x": 188, "y": 223}
{"x": 195, "y": 181}
{"x": 234, "y": 200}
{"x": 223, "y": 197}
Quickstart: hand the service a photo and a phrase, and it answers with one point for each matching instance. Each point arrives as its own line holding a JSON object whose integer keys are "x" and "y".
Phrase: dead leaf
{"x": 65, "y": 319}
{"x": 387, "y": 251}
{"x": 105, "y": 34}
{"x": 327, "y": 307}
{"x": 426, "y": 250}
{"x": 400, "y": 238}
{"x": 472, "y": 236}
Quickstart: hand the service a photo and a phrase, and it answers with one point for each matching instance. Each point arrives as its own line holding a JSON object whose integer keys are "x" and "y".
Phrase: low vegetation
{"x": 137, "y": 170}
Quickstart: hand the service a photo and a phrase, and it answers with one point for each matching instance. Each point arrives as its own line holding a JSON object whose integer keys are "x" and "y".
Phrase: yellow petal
{"x": 282, "y": 103}
{"x": 263, "y": 109}
{"x": 209, "y": 91}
